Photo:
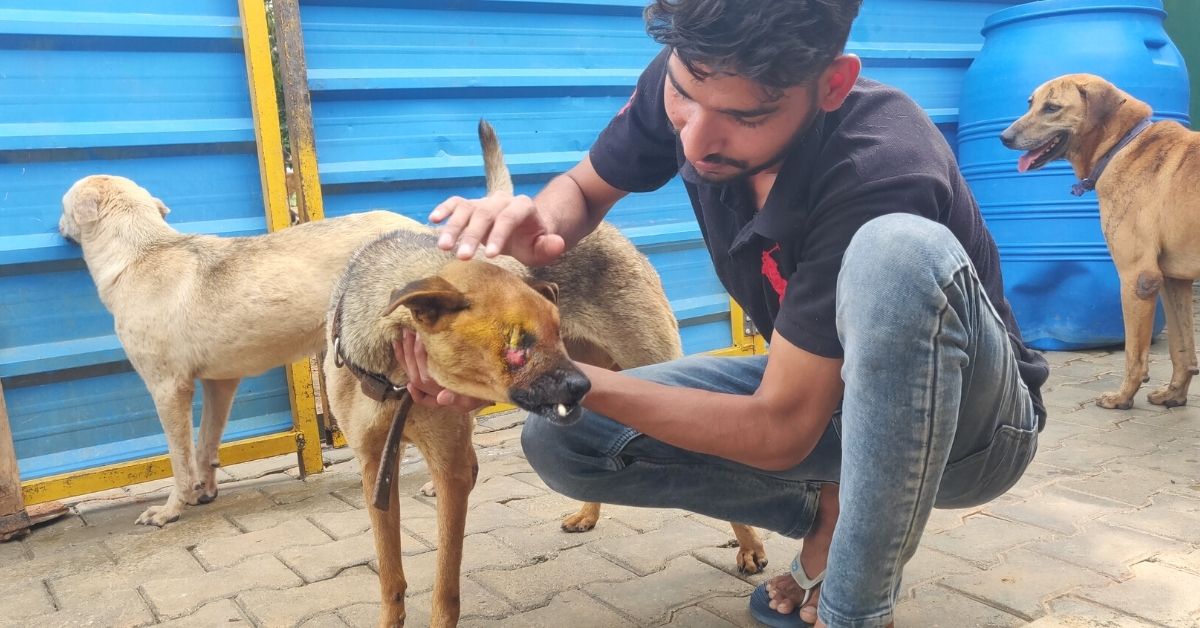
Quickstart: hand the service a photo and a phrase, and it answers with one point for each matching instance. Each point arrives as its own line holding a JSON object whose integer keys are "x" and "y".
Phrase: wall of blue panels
{"x": 153, "y": 91}
{"x": 397, "y": 89}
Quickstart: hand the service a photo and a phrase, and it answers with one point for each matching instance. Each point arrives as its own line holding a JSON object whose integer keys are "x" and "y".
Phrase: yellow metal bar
{"x": 743, "y": 343}
{"x": 146, "y": 469}
{"x": 271, "y": 168}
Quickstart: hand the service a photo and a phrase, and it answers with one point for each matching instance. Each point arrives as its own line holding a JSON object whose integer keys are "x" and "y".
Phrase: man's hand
{"x": 502, "y": 223}
{"x": 410, "y": 352}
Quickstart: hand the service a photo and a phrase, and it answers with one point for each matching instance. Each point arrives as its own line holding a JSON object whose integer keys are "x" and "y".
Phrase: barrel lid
{"x": 1046, "y": 8}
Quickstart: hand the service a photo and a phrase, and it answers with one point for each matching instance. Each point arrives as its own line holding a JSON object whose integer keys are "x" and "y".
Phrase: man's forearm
{"x": 742, "y": 428}
{"x": 565, "y": 209}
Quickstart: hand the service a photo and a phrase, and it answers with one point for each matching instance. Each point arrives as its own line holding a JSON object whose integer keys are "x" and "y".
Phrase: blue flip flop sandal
{"x": 760, "y": 600}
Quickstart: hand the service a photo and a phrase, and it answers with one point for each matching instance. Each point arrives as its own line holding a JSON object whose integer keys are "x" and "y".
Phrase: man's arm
{"x": 535, "y": 231}
{"x": 773, "y": 429}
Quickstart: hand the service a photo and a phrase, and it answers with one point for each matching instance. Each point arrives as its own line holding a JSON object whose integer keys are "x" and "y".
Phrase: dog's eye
{"x": 1050, "y": 108}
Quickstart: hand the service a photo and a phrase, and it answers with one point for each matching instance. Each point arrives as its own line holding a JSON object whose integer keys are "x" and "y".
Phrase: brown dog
{"x": 492, "y": 331}
{"x": 1149, "y": 195}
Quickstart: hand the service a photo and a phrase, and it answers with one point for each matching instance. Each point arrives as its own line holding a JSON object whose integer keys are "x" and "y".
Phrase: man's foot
{"x": 785, "y": 593}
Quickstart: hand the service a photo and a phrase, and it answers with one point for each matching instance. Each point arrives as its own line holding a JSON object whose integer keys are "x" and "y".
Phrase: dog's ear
{"x": 429, "y": 300}
{"x": 1101, "y": 100}
{"x": 86, "y": 205}
{"x": 162, "y": 207}
{"x": 545, "y": 288}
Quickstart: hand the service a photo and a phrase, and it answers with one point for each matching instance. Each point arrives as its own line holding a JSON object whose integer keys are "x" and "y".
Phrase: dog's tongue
{"x": 1026, "y": 160}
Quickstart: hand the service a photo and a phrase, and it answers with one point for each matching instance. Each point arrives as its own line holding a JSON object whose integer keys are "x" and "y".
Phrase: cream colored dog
{"x": 190, "y": 307}
{"x": 1147, "y": 178}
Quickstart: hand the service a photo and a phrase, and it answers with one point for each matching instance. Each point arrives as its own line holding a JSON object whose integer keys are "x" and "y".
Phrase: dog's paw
{"x": 428, "y": 489}
{"x": 579, "y": 522}
{"x": 1167, "y": 396}
{"x": 1115, "y": 401}
{"x": 751, "y": 560}
{"x": 157, "y": 516}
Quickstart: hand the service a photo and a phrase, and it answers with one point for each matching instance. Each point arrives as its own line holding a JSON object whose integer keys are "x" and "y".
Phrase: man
{"x": 837, "y": 218}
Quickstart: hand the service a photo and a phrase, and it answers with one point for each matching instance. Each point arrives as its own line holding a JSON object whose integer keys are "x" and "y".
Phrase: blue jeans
{"x": 933, "y": 413}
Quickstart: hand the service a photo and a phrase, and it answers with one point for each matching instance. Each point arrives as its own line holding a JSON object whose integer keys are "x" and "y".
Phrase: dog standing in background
{"x": 1147, "y": 178}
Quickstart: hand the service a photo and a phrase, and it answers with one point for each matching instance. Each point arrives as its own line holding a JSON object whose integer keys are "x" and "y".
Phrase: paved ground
{"x": 1103, "y": 531}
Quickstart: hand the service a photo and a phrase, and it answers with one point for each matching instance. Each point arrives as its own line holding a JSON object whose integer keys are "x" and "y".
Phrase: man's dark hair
{"x": 776, "y": 43}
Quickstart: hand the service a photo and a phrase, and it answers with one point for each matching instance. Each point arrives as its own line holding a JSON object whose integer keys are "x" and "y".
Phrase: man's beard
{"x": 745, "y": 170}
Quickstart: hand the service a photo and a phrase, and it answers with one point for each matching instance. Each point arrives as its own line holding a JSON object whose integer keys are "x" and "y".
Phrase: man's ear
{"x": 430, "y": 301}
{"x": 545, "y": 288}
{"x": 835, "y": 83}
{"x": 162, "y": 207}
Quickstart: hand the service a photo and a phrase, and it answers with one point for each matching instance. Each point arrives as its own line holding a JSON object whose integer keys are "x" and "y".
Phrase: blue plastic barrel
{"x": 1058, "y": 274}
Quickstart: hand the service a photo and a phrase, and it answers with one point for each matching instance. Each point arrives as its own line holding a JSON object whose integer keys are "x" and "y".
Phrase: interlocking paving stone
{"x": 932, "y": 606}
{"x": 224, "y": 552}
{"x": 1059, "y": 510}
{"x": 569, "y": 608}
{"x": 650, "y": 552}
{"x": 220, "y": 613}
{"x": 1023, "y": 581}
{"x": 501, "y": 489}
{"x": 1169, "y": 515}
{"x": 1123, "y": 482}
{"x": 1157, "y": 592}
{"x": 320, "y": 562}
{"x": 982, "y": 539}
{"x": 289, "y": 607}
{"x": 117, "y": 606}
{"x": 698, "y": 617}
{"x": 1105, "y": 548}
{"x": 651, "y": 599}
{"x": 176, "y": 597}
{"x": 23, "y": 600}
{"x": 533, "y": 586}
{"x": 1070, "y": 612}
{"x": 323, "y": 503}
{"x": 480, "y": 552}
{"x": 548, "y": 539}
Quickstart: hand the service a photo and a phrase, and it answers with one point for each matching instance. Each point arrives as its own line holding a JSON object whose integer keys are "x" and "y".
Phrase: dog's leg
{"x": 173, "y": 399}
{"x": 1139, "y": 295}
{"x": 218, "y": 399}
{"x": 584, "y": 520}
{"x": 453, "y": 465}
{"x": 1177, "y": 295}
{"x": 752, "y": 556}
{"x": 385, "y": 525}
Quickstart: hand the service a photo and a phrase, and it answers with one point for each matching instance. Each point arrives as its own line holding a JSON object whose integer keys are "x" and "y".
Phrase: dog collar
{"x": 378, "y": 387}
{"x": 1090, "y": 182}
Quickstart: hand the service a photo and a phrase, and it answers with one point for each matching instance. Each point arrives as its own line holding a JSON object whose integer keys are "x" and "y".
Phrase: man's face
{"x": 729, "y": 125}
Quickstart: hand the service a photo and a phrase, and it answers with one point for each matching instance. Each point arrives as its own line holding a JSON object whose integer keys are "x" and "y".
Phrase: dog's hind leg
{"x": 218, "y": 399}
{"x": 451, "y": 458}
{"x": 173, "y": 399}
{"x": 752, "y": 556}
{"x": 1177, "y": 295}
{"x": 1139, "y": 296}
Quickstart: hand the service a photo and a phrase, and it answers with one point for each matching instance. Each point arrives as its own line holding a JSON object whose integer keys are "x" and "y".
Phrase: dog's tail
{"x": 498, "y": 177}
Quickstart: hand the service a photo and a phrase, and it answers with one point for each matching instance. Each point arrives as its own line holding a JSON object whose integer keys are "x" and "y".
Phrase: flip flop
{"x": 760, "y": 600}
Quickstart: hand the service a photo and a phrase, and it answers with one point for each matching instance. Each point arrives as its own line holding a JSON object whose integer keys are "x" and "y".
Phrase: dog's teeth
{"x": 561, "y": 409}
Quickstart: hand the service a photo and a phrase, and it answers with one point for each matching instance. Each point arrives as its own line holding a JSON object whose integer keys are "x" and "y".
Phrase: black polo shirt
{"x": 878, "y": 153}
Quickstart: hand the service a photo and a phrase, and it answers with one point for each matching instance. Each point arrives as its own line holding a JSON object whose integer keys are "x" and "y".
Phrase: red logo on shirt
{"x": 770, "y": 270}
{"x": 627, "y": 103}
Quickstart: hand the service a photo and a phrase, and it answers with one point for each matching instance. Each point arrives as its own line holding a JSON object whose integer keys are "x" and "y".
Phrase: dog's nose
{"x": 1007, "y": 137}
{"x": 576, "y": 384}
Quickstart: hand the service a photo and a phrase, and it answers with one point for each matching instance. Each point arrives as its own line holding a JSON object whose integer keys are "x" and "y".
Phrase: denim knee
{"x": 899, "y": 249}
{"x": 570, "y": 459}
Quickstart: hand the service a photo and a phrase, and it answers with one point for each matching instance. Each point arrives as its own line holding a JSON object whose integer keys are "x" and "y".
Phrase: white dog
{"x": 200, "y": 306}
